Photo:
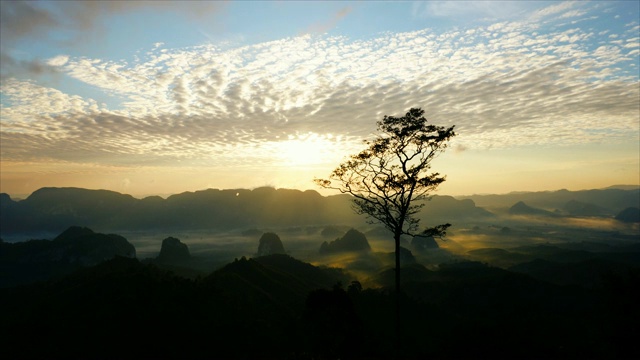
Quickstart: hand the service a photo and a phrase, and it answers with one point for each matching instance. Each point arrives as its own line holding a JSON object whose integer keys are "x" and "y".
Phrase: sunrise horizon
{"x": 322, "y": 192}
{"x": 160, "y": 98}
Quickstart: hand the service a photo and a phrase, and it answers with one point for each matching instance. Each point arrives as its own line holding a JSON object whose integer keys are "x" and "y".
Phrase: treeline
{"x": 277, "y": 307}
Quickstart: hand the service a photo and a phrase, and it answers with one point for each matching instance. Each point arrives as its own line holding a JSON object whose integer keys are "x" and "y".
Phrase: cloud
{"x": 573, "y": 13}
{"x": 59, "y": 60}
{"x": 22, "y": 19}
{"x": 73, "y": 22}
{"x": 501, "y": 85}
{"x": 12, "y": 67}
{"x": 555, "y": 9}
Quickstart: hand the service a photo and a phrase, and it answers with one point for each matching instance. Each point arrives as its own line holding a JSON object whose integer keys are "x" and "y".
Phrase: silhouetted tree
{"x": 392, "y": 175}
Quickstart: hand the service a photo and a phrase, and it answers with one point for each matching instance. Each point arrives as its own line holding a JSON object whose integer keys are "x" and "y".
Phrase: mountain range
{"x": 609, "y": 201}
{"x": 51, "y": 210}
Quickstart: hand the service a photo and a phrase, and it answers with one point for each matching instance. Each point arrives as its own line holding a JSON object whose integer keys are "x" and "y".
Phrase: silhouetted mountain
{"x": 458, "y": 271}
{"x": 54, "y": 209}
{"x": 589, "y": 273}
{"x": 274, "y": 280}
{"x": 277, "y": 307}
{"x": 408, "y": 273}
{"x": 87, "y": 248}
{"x": 118, "y": 309}
{"x": 6, "y": 203}
{"x": 629, "y": 215}
{"x": 270, "y": 244}
{"x": 173, "y": 251}
{"x": 76, "y": 247}
{"x": 520, "y": 208}
{"x": 498, "y": 257}
{"x": 443, "y": 209}
{"x": 613, "y": 200}
{"x": 579, "y": 208}
{"x": 261, "y": 207}
{"x": 73, "y": 233}
{"x": 127, "y": 310}
{"x": 352, "y": 240}
{"x": 406, "y": 257}
{"x": 333, "y": 231}
{"x": 624, "y": 187}
{"x": 571, "y": 263}
{"x": 423, "y": 243}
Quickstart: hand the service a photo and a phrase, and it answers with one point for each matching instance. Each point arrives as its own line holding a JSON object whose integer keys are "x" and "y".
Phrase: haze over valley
{"x": 221, "y": 225}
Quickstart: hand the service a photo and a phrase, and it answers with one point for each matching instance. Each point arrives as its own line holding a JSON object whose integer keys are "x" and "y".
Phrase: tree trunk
{"x": 396, "y": 238}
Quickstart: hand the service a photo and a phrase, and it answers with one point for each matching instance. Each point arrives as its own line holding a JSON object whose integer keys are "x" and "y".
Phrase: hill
{"x": 124, "y": 309}
{"x": 278, "y": 280}
{"x": 352, "y": 240}
{"x": 51, "y": 210}
{"x": 279, "y": 307}
{"x": 74, "y": 248}
{"x": 578, "y": 208}
{"x": 629, "y": 215}
{"x": 173, "y": 251}
{"x": 610, "y": 201}
{"x": 520, "y": 208}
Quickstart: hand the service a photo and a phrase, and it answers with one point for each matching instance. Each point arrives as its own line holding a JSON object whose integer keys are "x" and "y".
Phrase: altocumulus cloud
{"x": 504, "y": 84}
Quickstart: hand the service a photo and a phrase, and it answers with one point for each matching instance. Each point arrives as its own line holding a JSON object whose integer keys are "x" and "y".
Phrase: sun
{"x": 304, "y": 151}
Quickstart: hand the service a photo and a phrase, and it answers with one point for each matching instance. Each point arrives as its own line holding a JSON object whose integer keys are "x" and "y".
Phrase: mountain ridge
{"x": 51, "y": 210}
{"x": 611, "y": 200}
{"x": 54, "y": 209}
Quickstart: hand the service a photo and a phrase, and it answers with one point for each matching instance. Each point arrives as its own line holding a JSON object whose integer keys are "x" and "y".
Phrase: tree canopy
{"x": 392, "y": 175}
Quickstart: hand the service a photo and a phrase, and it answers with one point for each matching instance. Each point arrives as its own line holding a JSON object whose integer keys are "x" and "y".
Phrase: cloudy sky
{"x": 160, "y": 97}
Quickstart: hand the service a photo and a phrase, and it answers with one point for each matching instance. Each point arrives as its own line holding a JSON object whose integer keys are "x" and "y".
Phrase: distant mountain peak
{"x": 352, "y": 240}
{"x": 173, "y": 250}
{"x": 74, "y": 232}
{"x": 270, "y": 244}
{"x": 520, "y": 208}
{"x": 624, "y": 187}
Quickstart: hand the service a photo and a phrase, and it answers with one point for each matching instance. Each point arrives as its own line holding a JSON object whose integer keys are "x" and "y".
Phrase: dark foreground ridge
{"x": 278, "y": 307}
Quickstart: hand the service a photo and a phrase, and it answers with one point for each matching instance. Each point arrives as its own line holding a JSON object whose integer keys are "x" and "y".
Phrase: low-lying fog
{"x": 213, "y": 250}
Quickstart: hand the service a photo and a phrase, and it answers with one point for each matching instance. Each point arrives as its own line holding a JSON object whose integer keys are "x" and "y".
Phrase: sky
{"x": 163, "y": 97}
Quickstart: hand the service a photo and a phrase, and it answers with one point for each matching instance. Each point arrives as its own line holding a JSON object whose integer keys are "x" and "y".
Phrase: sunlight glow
{"x": 307, "y": 149}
